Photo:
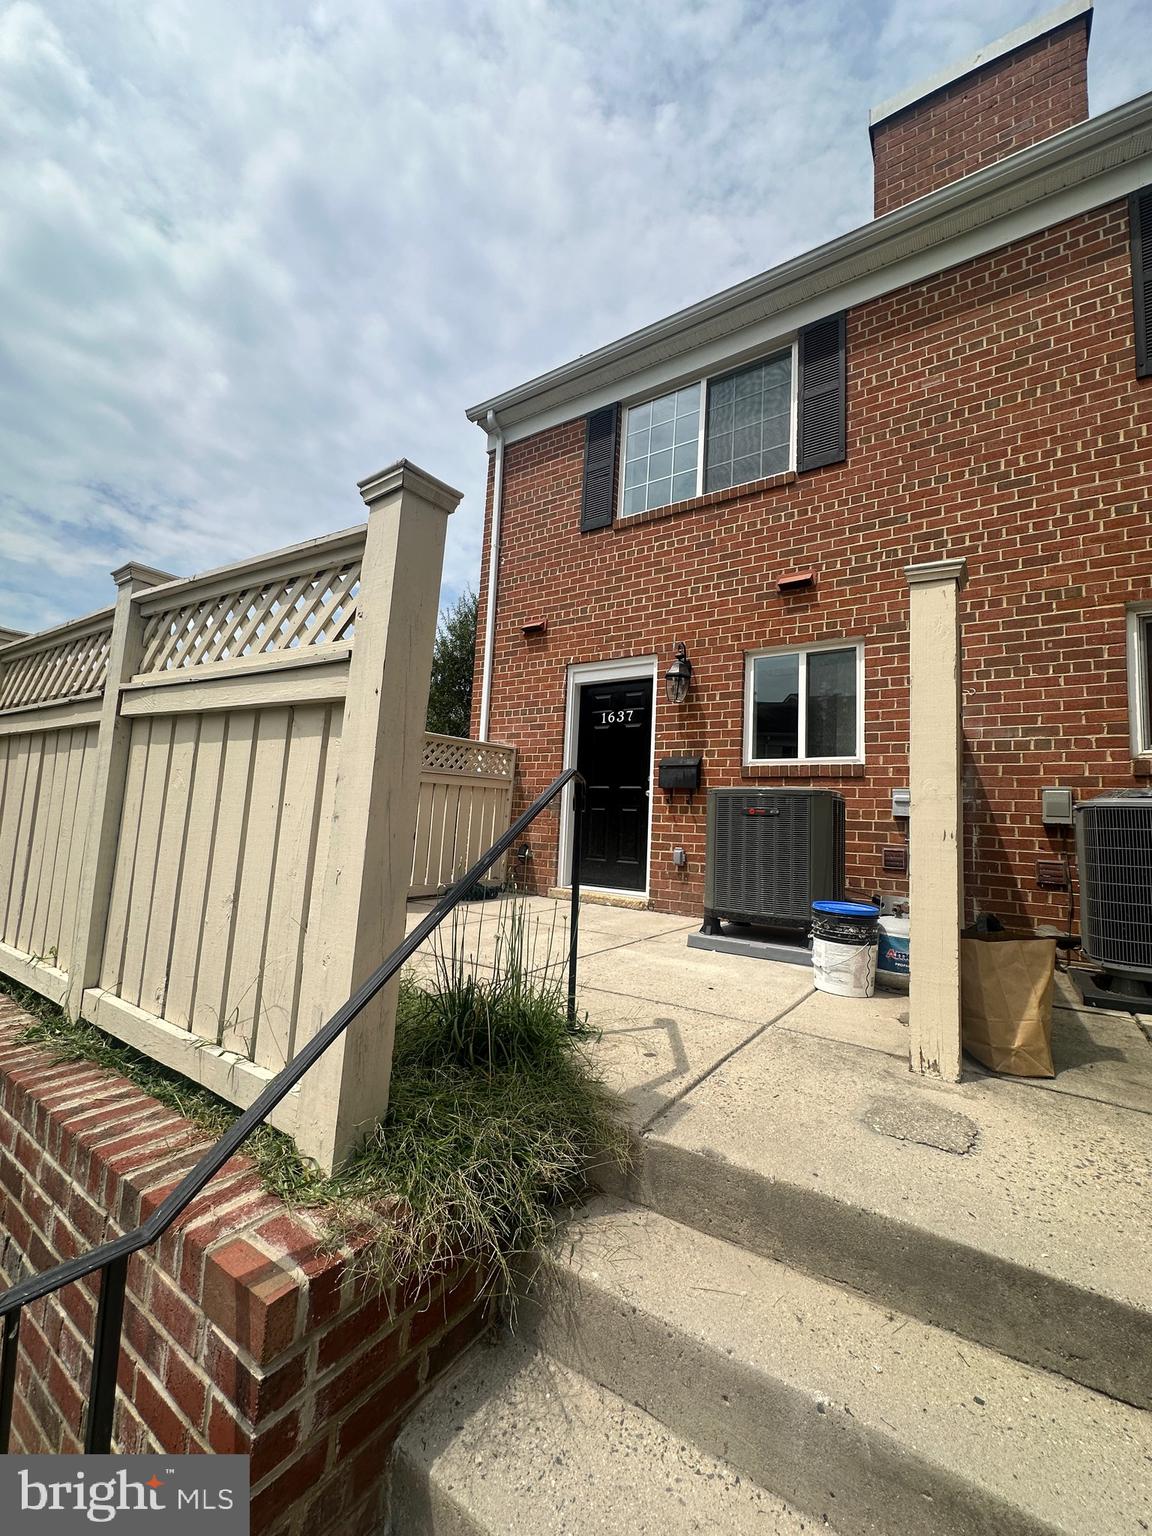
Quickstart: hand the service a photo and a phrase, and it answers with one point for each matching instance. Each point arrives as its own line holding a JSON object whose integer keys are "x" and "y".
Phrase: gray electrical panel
{"x": 1056, "y": 807}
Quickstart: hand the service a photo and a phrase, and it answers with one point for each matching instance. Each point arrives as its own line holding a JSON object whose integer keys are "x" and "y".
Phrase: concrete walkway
{"x": 670, "y": 1016}
{"x": 725, "y": 1060}
{"x": 829, "y": 1295}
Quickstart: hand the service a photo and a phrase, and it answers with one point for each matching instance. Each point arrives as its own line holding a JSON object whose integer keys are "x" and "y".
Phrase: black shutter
{"x": 597, "y": 506}
{"x": 1140, "y": 222}
{"x": 821, "y": 394}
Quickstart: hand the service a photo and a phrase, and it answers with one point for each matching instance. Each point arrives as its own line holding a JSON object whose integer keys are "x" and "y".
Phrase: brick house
{"x": 965, "y": 376}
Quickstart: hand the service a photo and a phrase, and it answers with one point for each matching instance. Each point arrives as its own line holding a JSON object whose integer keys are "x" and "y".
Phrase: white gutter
{"x": 492, "y": 427}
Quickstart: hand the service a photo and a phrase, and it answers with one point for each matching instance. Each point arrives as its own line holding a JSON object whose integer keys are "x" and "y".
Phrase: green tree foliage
{"x": 450, "y": 695}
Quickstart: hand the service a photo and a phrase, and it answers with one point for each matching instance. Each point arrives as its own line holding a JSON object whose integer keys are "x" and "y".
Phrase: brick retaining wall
{"x": 241, "y": 1334}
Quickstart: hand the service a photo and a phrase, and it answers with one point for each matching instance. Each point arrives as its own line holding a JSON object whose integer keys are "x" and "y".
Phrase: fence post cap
{"x": 141, "y": 575}
{"x": 931, "y": 572}
{"x": 406, "y": 476}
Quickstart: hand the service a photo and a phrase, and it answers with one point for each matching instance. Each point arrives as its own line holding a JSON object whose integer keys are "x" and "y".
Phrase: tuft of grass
{"x": 484, "y": 1139}
{"x": 495, "y": 1117}
{"x": 513, "y": 1014}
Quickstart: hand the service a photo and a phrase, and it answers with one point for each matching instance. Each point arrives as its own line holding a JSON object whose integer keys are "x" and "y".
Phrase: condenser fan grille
{"x": 771, "y": 853}
{"x": 765, "y": 864}
{"x": 1115, "y": 857}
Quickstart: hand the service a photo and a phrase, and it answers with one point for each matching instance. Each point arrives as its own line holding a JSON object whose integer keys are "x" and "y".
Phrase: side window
{"x": 804, "y": 705}
{"x": 1140, "y": 678}
{"x": 715, "y": 434}
{"x": 662, "y": 450}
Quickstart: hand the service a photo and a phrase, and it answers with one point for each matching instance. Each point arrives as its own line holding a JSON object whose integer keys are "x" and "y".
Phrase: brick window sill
{"x": 710, "y": 499}
{"x": 802, "y": 771}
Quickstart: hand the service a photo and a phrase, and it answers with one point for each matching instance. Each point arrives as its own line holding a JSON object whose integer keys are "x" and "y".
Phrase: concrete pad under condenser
{"x": 730, "y": 943}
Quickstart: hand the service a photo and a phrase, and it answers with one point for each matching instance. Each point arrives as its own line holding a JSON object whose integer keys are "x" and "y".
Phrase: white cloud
{"x": 251, "y": 253}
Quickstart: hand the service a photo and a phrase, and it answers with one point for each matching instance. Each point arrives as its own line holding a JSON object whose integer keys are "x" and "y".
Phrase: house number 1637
{"x": 616, "y": 716}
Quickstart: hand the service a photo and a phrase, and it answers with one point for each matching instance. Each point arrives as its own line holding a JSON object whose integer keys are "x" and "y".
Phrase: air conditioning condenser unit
{"x": 1114, "y": 854}
{"x": 771, "y": 853}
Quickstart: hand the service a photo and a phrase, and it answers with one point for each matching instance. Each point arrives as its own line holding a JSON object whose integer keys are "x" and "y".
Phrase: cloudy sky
{"x": 253, "y": 250}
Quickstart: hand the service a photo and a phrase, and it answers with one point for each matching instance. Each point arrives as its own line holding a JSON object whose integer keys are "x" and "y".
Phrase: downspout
{"x": 492, "y": 426}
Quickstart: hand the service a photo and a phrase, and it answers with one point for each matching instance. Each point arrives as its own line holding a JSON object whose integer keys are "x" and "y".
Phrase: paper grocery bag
{"x": 1006, "y": 982}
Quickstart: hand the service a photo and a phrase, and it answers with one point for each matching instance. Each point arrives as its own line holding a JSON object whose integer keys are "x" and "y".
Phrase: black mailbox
{"x": 680, "y": 773}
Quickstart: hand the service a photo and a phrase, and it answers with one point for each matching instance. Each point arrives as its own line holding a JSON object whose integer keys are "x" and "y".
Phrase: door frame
{"x": 626, "y": 670}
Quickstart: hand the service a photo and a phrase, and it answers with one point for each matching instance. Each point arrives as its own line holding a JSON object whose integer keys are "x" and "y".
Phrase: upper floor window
{"x": 662, "y": 450}
{"x": 709, "y": 436}
{"x": 804, "y": 705}
{"x": 1140, "y": 678}
{"x": 749, "y": 424}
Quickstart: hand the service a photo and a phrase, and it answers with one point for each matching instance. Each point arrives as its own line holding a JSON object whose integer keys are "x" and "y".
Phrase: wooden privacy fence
{"x": 208, "y": 794}
{"x": 465, "y": 804}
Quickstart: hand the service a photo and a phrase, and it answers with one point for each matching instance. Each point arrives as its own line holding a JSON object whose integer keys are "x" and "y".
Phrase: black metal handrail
{"x": 112, "y": 1257}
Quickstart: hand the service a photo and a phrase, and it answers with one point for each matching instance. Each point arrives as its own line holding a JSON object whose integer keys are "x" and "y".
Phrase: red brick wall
{"x": 993, "y": 413}
{"x": 240, "y": 1334}
{"x": 1015, "y": 101}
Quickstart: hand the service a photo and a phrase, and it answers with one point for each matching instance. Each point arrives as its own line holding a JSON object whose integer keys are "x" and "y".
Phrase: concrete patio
{"x": 740, "y": 1065}
{"x": 670, "y": 1016}
{"x": 853, "y": 1285}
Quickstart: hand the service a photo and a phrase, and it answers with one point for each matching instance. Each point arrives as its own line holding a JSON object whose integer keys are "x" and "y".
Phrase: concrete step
{"x": 881, "y": 1423}
{"x": 515, "y": 1444}
{"x": 1018, "y": 1218}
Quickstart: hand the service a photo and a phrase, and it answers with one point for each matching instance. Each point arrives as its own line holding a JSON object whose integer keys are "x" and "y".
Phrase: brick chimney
{"x": 1029, "y": 85}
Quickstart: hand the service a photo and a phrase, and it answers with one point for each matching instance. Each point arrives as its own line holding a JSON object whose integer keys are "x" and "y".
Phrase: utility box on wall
{"x": 1056, "y": 807}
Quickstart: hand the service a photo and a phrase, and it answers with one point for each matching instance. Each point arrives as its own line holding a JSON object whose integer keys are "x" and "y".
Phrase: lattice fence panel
{"x": 281, "y": 614}
{"x": 75, "y": 666}
{"x": 482, "y": 759}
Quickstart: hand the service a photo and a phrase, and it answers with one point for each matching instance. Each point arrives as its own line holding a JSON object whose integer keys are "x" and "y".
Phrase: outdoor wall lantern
{"x": 678, "y": 678}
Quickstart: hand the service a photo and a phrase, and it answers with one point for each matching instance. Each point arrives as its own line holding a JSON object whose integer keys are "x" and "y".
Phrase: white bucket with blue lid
{"x": 844, "y": 944}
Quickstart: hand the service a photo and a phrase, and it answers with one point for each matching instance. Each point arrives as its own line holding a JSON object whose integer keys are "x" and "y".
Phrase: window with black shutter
{"x": 822, "y": 427}
{"x": 1140, "y": 221}
{"x": 596, "y": 508}
{"x": 720, "y": 432}
{"x": 749, "y": 424}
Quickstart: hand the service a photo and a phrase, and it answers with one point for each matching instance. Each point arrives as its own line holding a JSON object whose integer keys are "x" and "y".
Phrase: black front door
{"x": 614, "y": 753}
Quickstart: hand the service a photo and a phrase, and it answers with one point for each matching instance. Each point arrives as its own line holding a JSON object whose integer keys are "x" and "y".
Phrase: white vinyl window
{"x": 713, "y": 434}
{"x": 662, "y": 450}
{"x": 1140, "y": 678}
{"x": 804, "y": 705}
